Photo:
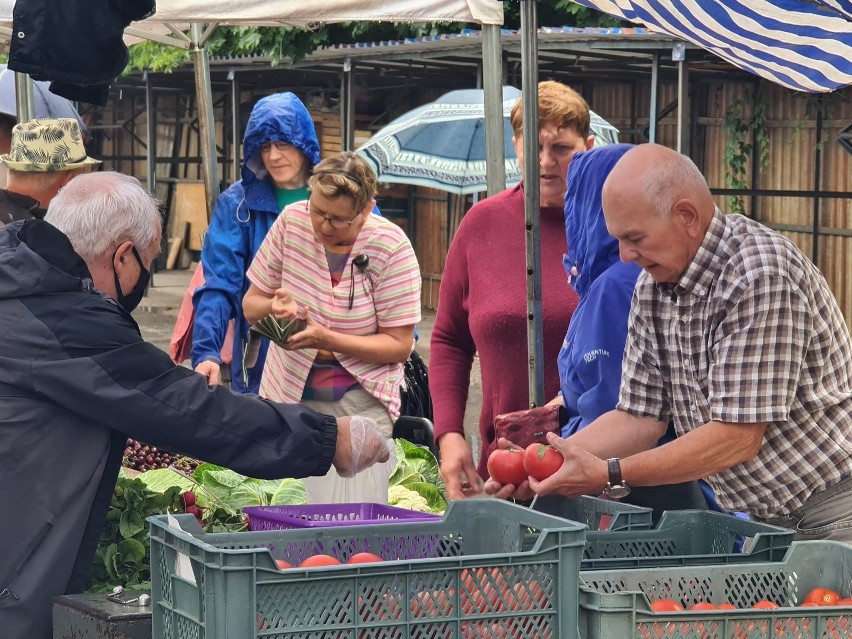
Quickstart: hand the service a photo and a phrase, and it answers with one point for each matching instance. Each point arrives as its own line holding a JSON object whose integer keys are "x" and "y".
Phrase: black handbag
{"x": 414, "y": 393}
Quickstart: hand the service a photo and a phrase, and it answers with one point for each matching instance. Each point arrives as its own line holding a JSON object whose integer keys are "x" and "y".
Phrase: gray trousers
{"x": 824, "y": 515}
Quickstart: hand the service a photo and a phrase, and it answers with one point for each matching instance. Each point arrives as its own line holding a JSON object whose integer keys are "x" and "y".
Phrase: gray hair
{"x": 98, "y": 210}
{"x": 669, "y": 179}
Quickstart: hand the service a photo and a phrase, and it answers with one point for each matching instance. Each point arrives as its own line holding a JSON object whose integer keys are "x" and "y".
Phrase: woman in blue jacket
{"x": 280, "y": 148}
{"x": 590, "y": 359}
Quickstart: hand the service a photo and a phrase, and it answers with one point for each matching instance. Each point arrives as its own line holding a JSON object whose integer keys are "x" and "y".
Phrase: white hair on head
{"x": 669, "y": 179}
{"x": 99, "y": 210}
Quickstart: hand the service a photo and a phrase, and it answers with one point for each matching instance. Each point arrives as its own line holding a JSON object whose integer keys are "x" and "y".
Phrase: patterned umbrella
{"x": 442, "y": 144}
{"x": 45, "y": 103}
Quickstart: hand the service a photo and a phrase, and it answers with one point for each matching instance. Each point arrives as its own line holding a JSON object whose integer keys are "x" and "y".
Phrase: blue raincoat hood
{"x": 591, "y": 249}
{"x": 277, "y": 118}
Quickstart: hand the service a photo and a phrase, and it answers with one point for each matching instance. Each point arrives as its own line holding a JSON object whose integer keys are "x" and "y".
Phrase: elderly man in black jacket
{"x": 76, "y": 380}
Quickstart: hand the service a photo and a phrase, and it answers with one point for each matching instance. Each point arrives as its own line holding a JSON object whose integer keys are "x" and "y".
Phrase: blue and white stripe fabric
{"x": 805, "y": 45}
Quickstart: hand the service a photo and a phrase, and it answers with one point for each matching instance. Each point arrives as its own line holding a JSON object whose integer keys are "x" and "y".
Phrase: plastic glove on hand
{"x": 365, "y": 445}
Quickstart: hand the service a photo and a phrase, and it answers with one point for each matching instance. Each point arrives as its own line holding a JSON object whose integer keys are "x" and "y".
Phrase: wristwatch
{"x": 616, "y": 488}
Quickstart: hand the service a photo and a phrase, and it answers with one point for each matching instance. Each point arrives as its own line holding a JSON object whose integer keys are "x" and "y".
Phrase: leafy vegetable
{"x": 123, "y": 557}
{"x": 417, "y": 470}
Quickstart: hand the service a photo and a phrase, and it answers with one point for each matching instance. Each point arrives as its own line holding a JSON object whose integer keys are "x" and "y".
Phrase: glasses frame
{"x": 335, "y": 223}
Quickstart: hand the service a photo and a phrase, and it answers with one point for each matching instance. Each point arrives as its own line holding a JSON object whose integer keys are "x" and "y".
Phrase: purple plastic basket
{"x": 323, "y": 515}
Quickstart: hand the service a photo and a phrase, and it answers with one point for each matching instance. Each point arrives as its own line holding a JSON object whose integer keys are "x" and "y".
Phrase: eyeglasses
{"x": 281, "y": 147}
{"x": 334, "y": 222}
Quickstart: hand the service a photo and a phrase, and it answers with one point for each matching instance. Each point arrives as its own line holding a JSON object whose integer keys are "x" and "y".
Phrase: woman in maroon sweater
{"x": 482, "y": 303}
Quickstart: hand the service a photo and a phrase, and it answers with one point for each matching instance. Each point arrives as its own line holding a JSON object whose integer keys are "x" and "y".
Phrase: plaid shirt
{"x": 751, "y": 333}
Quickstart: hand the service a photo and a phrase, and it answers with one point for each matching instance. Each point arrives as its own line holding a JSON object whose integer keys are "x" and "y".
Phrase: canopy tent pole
{"x": 206, "y": 130}
{"x": 24, "y": 97}
{"x": 236, "y": 160}
{"x": 347, "y": 110}
{"x": 679, "y": 55}
{"x": 532, "y": 184}
{"x": 150, "y": 137}
{"x": 655, "y": 91}
{"x": 492, "y": 79}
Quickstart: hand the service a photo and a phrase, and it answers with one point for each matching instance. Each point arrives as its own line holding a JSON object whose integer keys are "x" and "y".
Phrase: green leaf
{"x": 132, "y": 550}
{"x": 162, "y": 479}
{"x": 132, "y": 523}
{"x": 291, "y": 492}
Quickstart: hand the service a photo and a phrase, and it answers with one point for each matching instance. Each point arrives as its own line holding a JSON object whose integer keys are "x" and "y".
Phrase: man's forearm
{"x": 618, "y": 434}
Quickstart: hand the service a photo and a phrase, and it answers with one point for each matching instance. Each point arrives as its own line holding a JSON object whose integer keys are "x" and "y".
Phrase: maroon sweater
{"x": 482, "y": 309}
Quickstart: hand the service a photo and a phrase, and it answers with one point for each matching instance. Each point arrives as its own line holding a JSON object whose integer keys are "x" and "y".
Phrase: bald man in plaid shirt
{"x": 736, "y": 338}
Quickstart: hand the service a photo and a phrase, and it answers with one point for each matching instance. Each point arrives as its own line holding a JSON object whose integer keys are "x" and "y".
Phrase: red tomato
{"x": 507, "y": 466}
{"x": 319, "y": 560}
{"x": 363, "y": 558}
{"x": 541, "y": 461}
{"x": 726, "y": 606}
{"x": 666, "y": 605}
{"x": 765, "y": 603}
{"x": 823, "y": 597}
{"x": 283, "y": 565}
{"x": 703, "y": 605}
{"x": 847, "y": 601}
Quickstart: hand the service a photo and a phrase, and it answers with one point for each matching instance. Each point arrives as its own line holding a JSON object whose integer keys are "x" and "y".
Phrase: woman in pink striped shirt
{"x": 354, "y": 278}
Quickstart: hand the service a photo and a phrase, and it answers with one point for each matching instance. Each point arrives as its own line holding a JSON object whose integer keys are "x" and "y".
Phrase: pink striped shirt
{"x": 291, "y": 258}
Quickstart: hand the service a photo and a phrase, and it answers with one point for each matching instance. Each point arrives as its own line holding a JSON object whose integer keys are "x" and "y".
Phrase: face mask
{"x": 131, "y": 300}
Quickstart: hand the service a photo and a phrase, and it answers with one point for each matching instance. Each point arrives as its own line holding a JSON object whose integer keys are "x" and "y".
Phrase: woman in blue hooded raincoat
{"x": 590, "y": 358}
{"x": 280, "y": 148}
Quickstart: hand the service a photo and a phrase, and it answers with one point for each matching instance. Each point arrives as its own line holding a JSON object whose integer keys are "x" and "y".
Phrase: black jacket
{"x": 14, "y": 207}
{"x": 76, "y": 380}
{"x": 76, "y": 44}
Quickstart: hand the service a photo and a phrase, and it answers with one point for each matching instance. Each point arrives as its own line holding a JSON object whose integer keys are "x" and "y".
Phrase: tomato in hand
{"x": 363, "y": 558}
{"x": 666, "y": 605}
{"x": 319, "y": 560}
{"x": 541, "y": 461}
{"x": 823, "y": 597}
{"x": 506, "y": 466}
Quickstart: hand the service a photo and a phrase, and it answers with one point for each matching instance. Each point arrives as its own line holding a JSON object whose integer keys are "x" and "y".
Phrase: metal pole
{"x": 206, "y": 127}
{"x": 532, "y": 212}
{"x": 683, "y": 107}
{"x": 24, "y": 97}
{"x": 817, "y": 180}
{"x": 495, "y": 143}
{"x": 236, "y": 160}
{"x": 655, "y": 88}
{"x": 347, "y": 115}
{"x": 151, "y": 135}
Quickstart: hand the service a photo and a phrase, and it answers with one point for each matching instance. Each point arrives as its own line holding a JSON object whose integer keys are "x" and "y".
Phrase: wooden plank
{"x": 176, "y": 244}
{"x": 191, "y": 207}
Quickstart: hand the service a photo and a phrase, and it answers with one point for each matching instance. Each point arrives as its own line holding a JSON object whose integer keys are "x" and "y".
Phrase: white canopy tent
{"x": 188, "y": 24}
{"x": 169, "y": 26}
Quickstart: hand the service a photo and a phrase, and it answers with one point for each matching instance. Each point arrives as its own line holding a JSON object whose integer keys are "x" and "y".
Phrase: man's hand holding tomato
{"x": 521, "y": 492}
{"x": 581, "y": 474}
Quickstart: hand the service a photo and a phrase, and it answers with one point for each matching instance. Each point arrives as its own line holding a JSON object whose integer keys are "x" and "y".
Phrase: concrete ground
{"x": 158, "y": 310}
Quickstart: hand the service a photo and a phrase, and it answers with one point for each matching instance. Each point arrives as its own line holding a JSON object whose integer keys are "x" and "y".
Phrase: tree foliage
{"x": 294, "y": 44}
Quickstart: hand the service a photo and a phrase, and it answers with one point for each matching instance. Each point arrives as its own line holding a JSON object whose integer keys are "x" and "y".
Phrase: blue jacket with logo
{"x": 590, "y": 358}
{"x": 243, "y": 215}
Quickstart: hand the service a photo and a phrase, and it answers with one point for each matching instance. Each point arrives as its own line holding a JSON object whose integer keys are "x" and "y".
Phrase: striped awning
{"x": 805, "y": 45}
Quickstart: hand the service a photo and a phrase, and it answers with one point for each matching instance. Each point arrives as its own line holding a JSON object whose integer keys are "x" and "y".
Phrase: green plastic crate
{"x": 464, "y": 576}
{"x": 615, "y": 603}
{"x": 598, "y": 514}
{"x": 687, "y": 538}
